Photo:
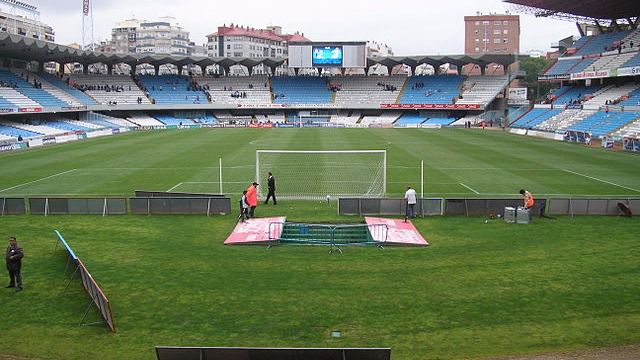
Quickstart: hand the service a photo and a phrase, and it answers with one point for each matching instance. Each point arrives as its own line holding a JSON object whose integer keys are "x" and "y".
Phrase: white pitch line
{"x": 604, "y": 181}
{"x": 175, "y": 187}
{"x": 469, "y": 188}
{"x": 35, "y": 181}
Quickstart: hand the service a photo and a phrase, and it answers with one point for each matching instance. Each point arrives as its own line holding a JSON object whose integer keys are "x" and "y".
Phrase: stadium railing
{"x": 180, "y": 205}
{"x": 77, "y": 206}
{"x": 12, "y": 206}
{"x": 198, "y": 353}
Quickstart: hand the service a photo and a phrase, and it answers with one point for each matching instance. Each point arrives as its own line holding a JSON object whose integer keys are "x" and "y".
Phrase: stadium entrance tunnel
{"x": 378, "y": 232}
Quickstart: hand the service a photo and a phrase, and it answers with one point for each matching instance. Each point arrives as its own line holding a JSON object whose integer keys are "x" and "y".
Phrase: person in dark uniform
{"x": 271, "y": 183}
{"x": 13, "y": 258}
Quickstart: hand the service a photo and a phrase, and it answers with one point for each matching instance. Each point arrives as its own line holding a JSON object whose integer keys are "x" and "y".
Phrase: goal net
{"x": 315, "y": 174}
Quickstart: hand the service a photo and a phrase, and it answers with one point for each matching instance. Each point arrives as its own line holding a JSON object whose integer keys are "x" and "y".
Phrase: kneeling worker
{"x": 528, "y": 199}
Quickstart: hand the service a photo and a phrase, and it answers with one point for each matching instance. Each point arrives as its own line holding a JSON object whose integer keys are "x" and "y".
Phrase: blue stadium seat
{"x": 83, "y": 98}
{"x": 410, "y": 119}
{"x": 301, "y": 90}
{"x": 15, "y": 132}
{"x": 535, "y": 117}
{"x": 27, "y": 89}
{"x": 437, "y": 89}
{"x": 597, "y": 44}
{"x": 172, "y": 89}
{"x": 602, "y": 123}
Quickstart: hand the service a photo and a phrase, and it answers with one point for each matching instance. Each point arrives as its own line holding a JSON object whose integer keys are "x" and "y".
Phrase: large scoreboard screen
{"x": 328, "y": 54}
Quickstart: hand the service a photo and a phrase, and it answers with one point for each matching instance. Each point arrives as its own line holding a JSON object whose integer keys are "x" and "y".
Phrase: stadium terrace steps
{"x": 611, "y": 62}
{"x": 38, "y": 128}
{"x": 301, "y": 90}
{"x": 13, "y": 99}
{"x": 630, "y": 130}
{"x": 95, "y": 87}
{"x": 8, "y": 128}
{"x": 348, "y": 118}
{"x": 172, "y": 89}
{"x": 433, "y": 89}
{"x": 575, "y": 93}
{"x": 27, "y": 88}
{"x": 634, "y": 61}
{"x": 51, "y": 89}
{"x": 144, "y": 120}
{"x": 611, "y": 93}
{"x": 535, "y": 117}
{"x": 602, "y": 123}
{"x": 562, "y": 121}
{"x": 365, "y": 90}
{"x": 408, "y": 119}
{"x": 227, "y": 89}
{"x": 105, "y": 120}
{"x": 597, "y": 44}
{"x": 439, "y": 121}
{"x": 633, "y": 100}
{"x": 83, "y": 98}
{"x": 387, "y": 118}
{"x": 482, "y": 89}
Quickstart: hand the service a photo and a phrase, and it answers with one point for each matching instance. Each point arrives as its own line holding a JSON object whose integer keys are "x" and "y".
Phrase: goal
{"x": 310, "y": 175}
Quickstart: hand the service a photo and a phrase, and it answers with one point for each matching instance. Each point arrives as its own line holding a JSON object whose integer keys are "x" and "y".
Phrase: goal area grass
{"x": 478, "y": 290}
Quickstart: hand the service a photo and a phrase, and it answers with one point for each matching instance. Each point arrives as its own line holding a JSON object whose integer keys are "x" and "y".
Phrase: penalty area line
{"x": 177, "y": 186}
{"x": 37, "y": 180}
{"x": 469, "y": 188}
{"x": 604, "y": 181}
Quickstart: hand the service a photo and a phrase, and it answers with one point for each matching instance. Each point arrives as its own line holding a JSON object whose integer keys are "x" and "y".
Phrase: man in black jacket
{"x": 13, "y": 258}
{"x": 271, "y": 183}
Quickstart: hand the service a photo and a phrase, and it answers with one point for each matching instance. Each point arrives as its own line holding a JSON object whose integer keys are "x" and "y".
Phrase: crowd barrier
{"x": 77, "y": 206}
{"x": 165, "y": 194}
{"x": 485, "y": 206}
{"x": 12, "y": 206}
{"x": 199, "y": 353}
{"x": 180, "y": 206}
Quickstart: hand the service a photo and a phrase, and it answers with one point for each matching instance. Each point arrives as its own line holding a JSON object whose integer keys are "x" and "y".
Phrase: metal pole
{"x": 220, "y": 164}
{"x": 422, "y": 179}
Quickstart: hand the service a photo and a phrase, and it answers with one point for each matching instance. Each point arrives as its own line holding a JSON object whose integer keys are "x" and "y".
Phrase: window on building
{"x": 506, "y": 41}
{"x": 485, "y": 23}
{"x": 505, "y": 31}
{"x": 505, "y": 22}
{"x": 477, "y": 23}
{"x": 477, "y": 40}
{"x": 496, "y": 32}
{"x": 228, "y": 46}
{"x": 477, "y": 49}
{"x": 496, "y": 41}
{"x": 477, "y": 32}
{"x": 497, "y": 22}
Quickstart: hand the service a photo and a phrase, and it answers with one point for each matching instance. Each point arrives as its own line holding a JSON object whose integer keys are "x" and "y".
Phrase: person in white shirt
{"x": 410, "y": 196}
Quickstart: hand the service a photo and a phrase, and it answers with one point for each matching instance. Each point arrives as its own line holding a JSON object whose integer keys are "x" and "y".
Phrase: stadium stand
{"x": 171, "y": 120}
{"x": 364, "y": 90}
{"x": 535, "y": 117}
{"x": 387, "y": 119}
{"x": 144, "y": 120}
{"x": 83, "y": 98}
{"x": 597, "y": 44}
{"x": 237, "y": 90}
{"x": 436, "y": 89}
{"x": 603, "y": 123}
{"x": 562, "y": 121}
{"x": 66, "y": 126}
{"x": 482, "y": 89}
{"x": 172, "y": 89}
{"x": 633, "y": 99}
{"x": 563, "y": 66}
{"x": 630, "y": 130}
{"x": 348, "y": 118}
{"x": 106, "y": 89}
{"x": 227, "y": 117}
{"x": 35, "y": 127}
{"x": 9, "y": 129}
{"x": 28, "y": 89}
{"x": 611, "y": 62}
{"x": 409, "y": 119}
{"x": 572, "y": 94}
{"x": 584, "y": 65}
{"x": 634, "y": 61}
{"x": 273, "y": 118}
{"x": 11, "y": 98}
{"x": 107, "y": 121}
{"x": 439, "y": 122}
{"x": 301, "y": 90}
{"x": 51, "y": 89}
{"x": 611, "y": 93}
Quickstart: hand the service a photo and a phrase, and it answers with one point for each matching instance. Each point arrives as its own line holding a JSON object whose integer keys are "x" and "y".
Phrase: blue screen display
{"x": 327, "y": 55}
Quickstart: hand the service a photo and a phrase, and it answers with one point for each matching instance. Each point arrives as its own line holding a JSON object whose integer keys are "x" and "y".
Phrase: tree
{"x": 534, "y": 66}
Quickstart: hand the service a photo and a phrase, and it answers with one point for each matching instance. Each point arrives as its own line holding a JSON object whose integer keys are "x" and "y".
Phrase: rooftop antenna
{"x": 87, "y": 25}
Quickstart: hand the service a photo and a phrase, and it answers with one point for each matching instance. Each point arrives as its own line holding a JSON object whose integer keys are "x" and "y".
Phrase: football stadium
{"x": 318, "y": 200}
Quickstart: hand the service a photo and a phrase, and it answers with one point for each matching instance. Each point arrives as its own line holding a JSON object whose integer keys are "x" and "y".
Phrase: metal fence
{"x": 485, "y": 207}
{"x": 77, "y": 206}
{"x": 180, "y": 206}
{"x": 12, "y": 206}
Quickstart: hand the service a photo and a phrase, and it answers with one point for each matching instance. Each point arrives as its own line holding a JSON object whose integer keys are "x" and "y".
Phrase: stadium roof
{"x": 593, "y": 9}
{"x": 28, "y": 49}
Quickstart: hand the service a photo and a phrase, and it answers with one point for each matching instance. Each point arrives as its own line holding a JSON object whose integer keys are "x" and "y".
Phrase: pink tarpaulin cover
{"x": 399, "y": 233}
{"x": 256, "y": 231}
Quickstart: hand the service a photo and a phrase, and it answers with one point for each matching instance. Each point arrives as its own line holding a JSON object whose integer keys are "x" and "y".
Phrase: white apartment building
{"x": 21, "y": 18}
{"x": 163, "y": 36}
{"x": 244, "y": 41}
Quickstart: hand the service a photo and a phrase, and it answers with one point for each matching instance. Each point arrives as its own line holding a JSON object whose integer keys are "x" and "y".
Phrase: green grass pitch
{"x": 478, "y": 290}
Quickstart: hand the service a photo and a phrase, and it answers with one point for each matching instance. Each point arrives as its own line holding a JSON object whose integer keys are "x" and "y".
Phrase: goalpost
{"x": 312, "y": 175}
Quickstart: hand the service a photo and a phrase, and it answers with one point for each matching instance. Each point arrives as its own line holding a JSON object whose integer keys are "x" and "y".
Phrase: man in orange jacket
{"x": 528, "y": 199}
{"x": 252, "y": 198}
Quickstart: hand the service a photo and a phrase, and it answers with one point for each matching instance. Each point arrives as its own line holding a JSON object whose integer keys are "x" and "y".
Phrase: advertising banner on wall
{"x": 518, "y": 94}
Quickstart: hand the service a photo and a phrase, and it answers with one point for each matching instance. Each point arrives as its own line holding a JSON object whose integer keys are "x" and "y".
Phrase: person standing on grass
{"x": 252, "y": 198}
{"x": 271, "y": 183}
{"x": 244, "y": 207}
{"x": 13, "y": 258}
{"x": 410, "y": 197}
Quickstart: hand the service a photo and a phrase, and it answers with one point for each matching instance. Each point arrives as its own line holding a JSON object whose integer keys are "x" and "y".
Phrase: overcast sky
{"x": 410, "y": 27}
